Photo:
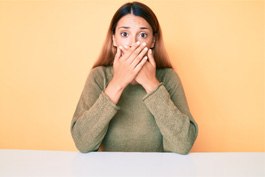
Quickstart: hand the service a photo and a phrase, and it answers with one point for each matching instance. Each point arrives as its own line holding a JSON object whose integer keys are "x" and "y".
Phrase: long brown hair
{"x": 138, "y": 9}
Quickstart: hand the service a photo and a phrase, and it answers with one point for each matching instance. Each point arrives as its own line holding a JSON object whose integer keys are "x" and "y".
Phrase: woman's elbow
{"x": 181, "y": 144}
{"x": 85, "y": 147}
{"x": 179, "y": 149}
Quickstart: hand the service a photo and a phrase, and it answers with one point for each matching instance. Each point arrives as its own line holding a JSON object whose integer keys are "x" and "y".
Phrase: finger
{"x": 125, "y": 52}
{"x": 151, "y": 58}
{"x": 139, "y": 57}
{"x": 124, "y": 48}
{"x": 137, "y": 52}
{"x": 141, "y": 64}
{"x": 135, "y": 45}
{"x": 133, "y": 48}
{"x": 117, "y": 55}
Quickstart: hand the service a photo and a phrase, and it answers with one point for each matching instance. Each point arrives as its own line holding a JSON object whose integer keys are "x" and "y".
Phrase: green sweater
{"x": 140, "y": 122}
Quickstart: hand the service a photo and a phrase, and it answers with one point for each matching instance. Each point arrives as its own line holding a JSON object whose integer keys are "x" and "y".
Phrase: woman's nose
{"x": 133, "y": 40}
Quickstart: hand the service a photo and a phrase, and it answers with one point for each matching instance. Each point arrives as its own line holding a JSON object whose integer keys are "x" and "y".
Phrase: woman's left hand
{"x": 147, "y": 75}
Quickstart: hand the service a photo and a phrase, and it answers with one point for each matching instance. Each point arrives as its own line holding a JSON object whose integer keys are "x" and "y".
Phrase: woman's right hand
{"x": 127, "y": 64}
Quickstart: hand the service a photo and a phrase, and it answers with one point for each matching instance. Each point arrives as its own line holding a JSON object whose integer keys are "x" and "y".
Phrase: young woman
{"x": 133, "y": 100}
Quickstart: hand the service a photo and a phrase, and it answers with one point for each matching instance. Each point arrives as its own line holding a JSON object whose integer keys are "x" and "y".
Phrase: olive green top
{"x": 140, "y": 122}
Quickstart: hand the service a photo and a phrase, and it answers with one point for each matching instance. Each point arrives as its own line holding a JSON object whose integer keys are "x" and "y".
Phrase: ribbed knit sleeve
{"x": 93, "y": 114}
{"x": 171, "y": 113}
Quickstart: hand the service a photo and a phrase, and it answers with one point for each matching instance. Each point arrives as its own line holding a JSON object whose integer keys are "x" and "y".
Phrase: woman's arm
{"x": 170, "y": 110}
{"x": 97, "y": 104}
{"x": 93, "y": 113}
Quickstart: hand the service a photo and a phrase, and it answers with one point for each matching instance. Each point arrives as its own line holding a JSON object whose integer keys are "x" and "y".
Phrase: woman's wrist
{"x": 114, "y": 91}
{"x": 151, "y": 86}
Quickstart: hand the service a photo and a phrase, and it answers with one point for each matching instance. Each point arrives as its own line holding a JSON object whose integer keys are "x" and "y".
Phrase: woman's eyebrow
{"x": 144, "y": 28}
{"x": 127, "y": 27}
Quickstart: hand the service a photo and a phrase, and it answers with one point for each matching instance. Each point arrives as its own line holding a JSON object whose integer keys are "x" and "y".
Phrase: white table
{"x": 30, "y": 163}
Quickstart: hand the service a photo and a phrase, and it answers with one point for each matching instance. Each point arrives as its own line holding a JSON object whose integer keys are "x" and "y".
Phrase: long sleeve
{"x": 171, "y": 113}
{"x": 93, "y": 114}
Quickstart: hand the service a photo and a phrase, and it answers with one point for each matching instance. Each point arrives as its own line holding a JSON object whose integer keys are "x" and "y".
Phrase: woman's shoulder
{"x": 100, "y": 76}
{"x": 167, "y": 74}
{"x": 169, "y": 77}
{"x": 101, "y": 71}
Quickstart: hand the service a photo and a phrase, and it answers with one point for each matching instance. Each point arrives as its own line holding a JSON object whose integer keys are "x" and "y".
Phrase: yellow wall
{"x": 48, "y": 47}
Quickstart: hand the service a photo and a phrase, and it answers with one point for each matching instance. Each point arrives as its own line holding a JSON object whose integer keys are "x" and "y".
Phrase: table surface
{"x": 99, "y": 164}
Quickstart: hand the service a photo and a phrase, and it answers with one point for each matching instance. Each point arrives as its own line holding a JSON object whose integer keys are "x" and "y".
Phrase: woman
{"x": 133, "y": 100}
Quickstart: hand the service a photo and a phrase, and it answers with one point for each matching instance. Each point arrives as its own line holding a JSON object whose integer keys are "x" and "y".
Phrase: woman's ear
{"x": 153, "y": 42}
{"x": 114, "y": 41}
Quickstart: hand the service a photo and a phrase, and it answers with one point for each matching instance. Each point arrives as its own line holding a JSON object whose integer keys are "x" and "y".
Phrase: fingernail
{"x": 150, "y": 51}
{"x": 146, "y": 48}
{"x": 145, "y": 58}
{"x": 144, "y": 44}
{"x": 138, "y": 42}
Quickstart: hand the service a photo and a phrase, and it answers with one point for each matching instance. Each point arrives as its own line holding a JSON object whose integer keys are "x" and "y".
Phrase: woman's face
{"x": 130, "y": 29}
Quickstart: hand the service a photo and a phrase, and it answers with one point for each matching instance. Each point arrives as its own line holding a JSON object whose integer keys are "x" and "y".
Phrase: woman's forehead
{"x": 132, "y": 21}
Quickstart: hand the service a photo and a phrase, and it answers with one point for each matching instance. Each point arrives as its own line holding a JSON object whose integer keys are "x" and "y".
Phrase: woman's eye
{"x": 143, "y": 35}
{"x": 124, "y": 34}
